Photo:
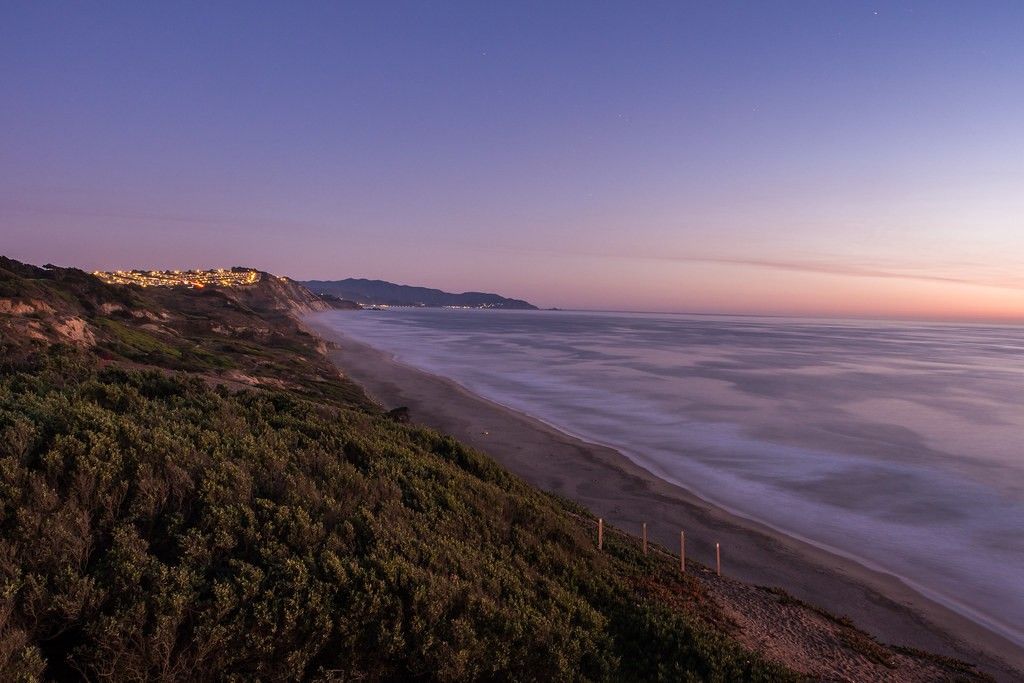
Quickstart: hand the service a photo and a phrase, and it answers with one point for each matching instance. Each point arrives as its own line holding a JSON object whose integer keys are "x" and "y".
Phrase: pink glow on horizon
{"x": 806, "y": 159}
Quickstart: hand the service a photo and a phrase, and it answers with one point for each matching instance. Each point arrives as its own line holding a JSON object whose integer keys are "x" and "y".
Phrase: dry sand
{"x": 626, "y": 495}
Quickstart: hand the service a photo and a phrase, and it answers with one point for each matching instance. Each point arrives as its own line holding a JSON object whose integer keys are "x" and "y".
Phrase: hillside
{"x": 379, "y": 292}
{"x": 241, "y": 336}
{"x": 190, "y": 491}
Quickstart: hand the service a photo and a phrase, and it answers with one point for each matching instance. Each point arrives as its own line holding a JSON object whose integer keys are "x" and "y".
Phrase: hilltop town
{"x": 195, "y": 279}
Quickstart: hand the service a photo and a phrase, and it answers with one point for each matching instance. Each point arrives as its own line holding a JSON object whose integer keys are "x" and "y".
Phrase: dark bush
{"x": 153, "y": 528}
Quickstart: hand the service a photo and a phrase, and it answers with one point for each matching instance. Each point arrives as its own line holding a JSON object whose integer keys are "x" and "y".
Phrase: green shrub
{"x": 152, "y": 527}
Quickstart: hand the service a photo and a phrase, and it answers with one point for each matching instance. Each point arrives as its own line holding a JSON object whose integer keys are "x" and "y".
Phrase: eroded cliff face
{"x": 30, "y": 307}
{"x": 249, "y": 335}
{"x": 36, "y": 320}
{"x": 63, "y": 322}
{"x": 278, "y": 294}
{"x": 68, "y": 305}
{"x": 32, "y": 319}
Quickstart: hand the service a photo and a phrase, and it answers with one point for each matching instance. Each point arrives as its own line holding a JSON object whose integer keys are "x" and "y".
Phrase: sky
{"x": 809, "y": 158}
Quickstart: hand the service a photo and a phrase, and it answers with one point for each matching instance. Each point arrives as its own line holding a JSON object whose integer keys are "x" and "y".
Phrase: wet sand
{"x": 626, "y": 495}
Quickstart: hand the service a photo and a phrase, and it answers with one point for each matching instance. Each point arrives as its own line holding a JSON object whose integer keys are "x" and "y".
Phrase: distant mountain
{"x": 370, "y": 292}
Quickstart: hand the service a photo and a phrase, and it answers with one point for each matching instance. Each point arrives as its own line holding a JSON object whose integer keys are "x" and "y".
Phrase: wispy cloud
{"x": 907, "y": 272}
{"x": 961, "y": 273}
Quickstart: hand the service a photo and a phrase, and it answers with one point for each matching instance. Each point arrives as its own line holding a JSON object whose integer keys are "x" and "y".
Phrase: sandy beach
{"x": 626, "y": 495}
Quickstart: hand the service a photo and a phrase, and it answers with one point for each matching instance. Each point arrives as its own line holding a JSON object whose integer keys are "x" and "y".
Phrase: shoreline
{"x": 614, "y": 486}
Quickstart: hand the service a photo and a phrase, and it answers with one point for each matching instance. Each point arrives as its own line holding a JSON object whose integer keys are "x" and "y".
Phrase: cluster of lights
{"x": 196, "y": 279}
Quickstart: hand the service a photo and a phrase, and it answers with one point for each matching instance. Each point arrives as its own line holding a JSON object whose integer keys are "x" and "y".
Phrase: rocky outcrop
{"x": 13, "y": 307}
{"x": 279, "y": 294}
{"x": 76, "y": 331}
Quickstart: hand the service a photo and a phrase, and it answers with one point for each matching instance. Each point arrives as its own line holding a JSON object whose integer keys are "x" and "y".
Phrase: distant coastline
{"x": 382, "y": 293}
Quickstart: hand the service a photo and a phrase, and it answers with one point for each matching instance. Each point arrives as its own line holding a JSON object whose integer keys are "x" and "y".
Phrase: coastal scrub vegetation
{"x": 154, "y": 527}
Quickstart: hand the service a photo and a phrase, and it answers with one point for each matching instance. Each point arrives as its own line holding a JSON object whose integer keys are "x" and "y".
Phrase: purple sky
{"x": 778, "y": 157}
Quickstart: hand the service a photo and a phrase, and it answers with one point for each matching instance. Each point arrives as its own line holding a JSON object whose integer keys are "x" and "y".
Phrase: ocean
{"x": 900, "y": 445}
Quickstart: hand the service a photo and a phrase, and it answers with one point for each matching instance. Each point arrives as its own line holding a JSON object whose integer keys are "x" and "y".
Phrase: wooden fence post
{"x": 600, "y": 533}
{"x": 645, "y": 538}
{"x": 682, "y": 552}
{"x": 718, "y": 559}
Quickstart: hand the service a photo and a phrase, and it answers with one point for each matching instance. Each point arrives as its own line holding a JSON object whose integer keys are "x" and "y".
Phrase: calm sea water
{"x": 899, "y": 444}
